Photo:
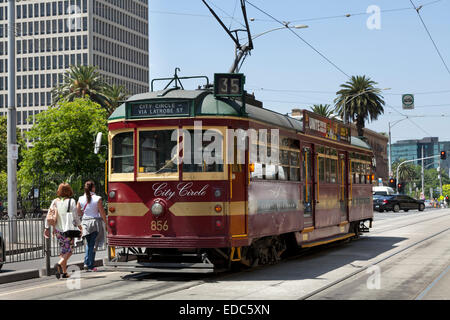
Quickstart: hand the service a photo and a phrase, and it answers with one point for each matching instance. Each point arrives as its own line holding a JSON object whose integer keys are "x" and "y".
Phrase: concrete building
{"x": 54, "y": 34}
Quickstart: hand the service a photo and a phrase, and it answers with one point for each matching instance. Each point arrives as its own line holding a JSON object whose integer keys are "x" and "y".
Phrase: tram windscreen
{"x": 155, "y": 152}
{"x": 122, "y": 153}
{"x": 207, "y": 156}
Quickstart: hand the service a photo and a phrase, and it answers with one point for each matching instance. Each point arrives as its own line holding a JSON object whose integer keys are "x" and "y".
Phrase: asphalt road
{"x": 405, "y": 256}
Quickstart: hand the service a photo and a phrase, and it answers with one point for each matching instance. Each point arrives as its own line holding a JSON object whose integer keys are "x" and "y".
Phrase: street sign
{"x": 14, "y": 151}
{"x": 408, "y": 101}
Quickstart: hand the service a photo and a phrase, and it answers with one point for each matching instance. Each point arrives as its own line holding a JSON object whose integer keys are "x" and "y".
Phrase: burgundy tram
{"x": 167, "y": 216}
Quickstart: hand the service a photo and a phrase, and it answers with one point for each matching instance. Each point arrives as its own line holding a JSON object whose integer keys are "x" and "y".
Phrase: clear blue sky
{"x": 399, "y": 56}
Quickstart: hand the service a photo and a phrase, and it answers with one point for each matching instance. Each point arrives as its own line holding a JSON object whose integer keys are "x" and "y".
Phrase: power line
{"x": 298, "y": 36}
{"x": 429, "y": 34}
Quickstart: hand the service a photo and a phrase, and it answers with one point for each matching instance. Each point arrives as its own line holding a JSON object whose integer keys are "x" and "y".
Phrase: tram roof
{"x": 207, "y": 104}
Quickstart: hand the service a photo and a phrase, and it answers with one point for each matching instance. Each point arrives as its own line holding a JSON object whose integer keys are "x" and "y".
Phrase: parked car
{"x": 2, "y": 251}
{"x": 396, "y": 203}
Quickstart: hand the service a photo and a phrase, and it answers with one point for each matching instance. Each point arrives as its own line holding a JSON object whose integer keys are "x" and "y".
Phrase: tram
{"x": 167, "y": 215}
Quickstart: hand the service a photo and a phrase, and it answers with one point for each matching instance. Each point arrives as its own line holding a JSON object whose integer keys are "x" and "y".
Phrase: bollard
{"x": 48, "y": 254}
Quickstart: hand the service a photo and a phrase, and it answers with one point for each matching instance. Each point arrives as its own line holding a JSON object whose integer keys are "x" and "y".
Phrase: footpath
{"x": 19, "y": 271}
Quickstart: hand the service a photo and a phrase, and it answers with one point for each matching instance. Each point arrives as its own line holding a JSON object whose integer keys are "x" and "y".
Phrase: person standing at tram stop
{"x": 67, "y": 227}
{"x": 90, "y": 206}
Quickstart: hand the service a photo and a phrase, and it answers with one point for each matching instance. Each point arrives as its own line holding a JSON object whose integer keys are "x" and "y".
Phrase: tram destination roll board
{"x": 158, "y": 109}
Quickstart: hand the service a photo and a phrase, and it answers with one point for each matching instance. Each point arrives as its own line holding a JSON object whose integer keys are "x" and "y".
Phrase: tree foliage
{"x": 80, "y": 81}
{"x": 322, "y": 109}
{"x": 63, "y": 139}
{"x": 362, "y": 101}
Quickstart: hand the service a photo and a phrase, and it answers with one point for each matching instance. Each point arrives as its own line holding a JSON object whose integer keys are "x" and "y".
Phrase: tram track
{"x": 364, "y": 268}
{"x": 425, "y": 219}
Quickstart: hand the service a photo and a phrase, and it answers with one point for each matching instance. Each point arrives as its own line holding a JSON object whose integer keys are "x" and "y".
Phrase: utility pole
{"x": 12, "y": 121}
{"x": 423, "y": 176}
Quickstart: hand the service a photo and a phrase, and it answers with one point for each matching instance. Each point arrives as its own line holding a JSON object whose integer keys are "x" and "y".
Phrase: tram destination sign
{"x": 317, "y": 125}
{"x": 229, "y": 85}
{"x": 158, "y": 109}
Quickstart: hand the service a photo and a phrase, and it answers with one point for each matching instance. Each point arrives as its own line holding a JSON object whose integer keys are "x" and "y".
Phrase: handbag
{"x": 71, "y": 233}
{"x": 52, "y": 216}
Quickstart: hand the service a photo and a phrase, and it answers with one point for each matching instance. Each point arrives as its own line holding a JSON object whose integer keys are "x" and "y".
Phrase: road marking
{"x": 48, "y": 285}
{"x": 424, "y": 292}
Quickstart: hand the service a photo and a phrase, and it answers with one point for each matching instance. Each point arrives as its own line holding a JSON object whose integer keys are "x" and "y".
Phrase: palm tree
{"x": 362, "y": 101}
{"x": 406, "y": 172}
{"x": 323, "y": 110}
{"x": 115, "y": 96}
{"x": 80, "y": 81}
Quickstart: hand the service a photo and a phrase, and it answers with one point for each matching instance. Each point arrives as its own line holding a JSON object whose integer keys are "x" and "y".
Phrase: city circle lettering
{"x": 184, "y": 189}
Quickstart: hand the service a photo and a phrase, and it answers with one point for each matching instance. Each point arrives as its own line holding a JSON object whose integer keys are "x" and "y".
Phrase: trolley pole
{"x": 12, "y": 121}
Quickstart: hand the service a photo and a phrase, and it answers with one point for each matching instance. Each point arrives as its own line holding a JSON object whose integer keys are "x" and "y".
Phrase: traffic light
{"x": 392, "y": 183}
{"x": 401, "y": 187}
{"x": 443, "y": 155}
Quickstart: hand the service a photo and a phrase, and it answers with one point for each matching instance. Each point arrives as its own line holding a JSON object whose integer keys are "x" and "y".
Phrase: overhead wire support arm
{"x": 241, "y": 50}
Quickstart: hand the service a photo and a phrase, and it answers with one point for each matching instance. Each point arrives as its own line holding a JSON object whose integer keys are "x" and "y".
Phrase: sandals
{"x": 66, "y": 275}
{"x": 58, "y": 270}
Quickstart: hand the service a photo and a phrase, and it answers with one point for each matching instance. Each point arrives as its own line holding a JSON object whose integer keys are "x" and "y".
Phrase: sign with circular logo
{"x": 408, "y": 101}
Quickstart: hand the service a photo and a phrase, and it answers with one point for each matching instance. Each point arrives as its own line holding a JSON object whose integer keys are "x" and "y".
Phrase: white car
{"x": 383, "y": 191}
{"x": 428, "y": 204}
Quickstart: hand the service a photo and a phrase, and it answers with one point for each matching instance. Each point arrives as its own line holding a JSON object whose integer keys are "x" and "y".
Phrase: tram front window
{"x": 122, "y": 153}
{"x": 204, "y": 157}
{"x": 155, "y": 152}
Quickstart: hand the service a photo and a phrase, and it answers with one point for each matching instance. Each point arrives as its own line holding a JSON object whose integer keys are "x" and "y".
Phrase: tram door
{"x": 238, "y": 194}
{"x": 343, "y": 187}
{"x": 308, "y": 186}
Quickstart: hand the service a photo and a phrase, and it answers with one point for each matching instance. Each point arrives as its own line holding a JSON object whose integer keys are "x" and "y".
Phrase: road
{"x": 405, "y": 256}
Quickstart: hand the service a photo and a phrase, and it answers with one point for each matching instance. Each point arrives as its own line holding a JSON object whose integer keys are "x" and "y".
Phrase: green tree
{"x": 63, "y": 141}
{"x": 362, "y": 101}
{"x": 115, "y": 96}
{"x": 406, "y": 172}
{"x": 80, "y": 81}
{"x": 323, "y": 110}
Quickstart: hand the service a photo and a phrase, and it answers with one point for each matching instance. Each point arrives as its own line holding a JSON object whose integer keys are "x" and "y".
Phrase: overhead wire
{"x": 429, "y": 35}
{"x": 298, "y": 36}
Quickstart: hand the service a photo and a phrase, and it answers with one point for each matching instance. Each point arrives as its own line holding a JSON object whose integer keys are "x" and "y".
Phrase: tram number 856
{"x": 159, "y": 225}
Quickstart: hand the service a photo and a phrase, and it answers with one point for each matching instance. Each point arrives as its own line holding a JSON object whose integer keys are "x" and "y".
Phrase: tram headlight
{"x": 112, "y": 194}
{"x": 157, "y": 209}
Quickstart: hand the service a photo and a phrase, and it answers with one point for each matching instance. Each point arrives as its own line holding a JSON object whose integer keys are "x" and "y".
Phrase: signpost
{"x": 408, "y": 102}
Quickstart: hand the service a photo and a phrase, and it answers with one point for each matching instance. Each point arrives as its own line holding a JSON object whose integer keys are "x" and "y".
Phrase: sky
{"x": 285, "y": 72}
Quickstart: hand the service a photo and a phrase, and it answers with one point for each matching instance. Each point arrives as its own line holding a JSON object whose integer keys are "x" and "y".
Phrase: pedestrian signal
{"x": 443, "y": 155}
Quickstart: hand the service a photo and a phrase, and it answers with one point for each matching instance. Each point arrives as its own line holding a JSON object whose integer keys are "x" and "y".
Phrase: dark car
{"x": 396, "y": 203}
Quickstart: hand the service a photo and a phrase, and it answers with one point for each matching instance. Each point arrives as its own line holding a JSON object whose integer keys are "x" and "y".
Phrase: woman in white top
{"x": 91, "y": 207}
{"x": 67, "y": 224}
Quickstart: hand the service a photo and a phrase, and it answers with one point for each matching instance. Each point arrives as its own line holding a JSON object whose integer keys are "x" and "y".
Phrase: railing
{"x": 29, "y": 242}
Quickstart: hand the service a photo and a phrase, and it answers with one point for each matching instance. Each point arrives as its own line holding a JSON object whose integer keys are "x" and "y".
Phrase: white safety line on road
{"x": 45, "y": 286}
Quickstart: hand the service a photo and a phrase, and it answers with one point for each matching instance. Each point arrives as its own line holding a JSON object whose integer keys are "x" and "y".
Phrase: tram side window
{"x": 155, "y": 152}
{"x": 207, "y": 158}
{"x": 122, "y": 153}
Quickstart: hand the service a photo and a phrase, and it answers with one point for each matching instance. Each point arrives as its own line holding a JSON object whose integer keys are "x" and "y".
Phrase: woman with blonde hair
{"x": 67, "y": 226}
